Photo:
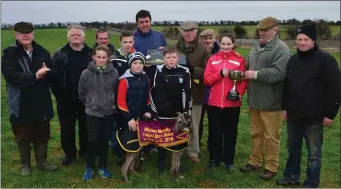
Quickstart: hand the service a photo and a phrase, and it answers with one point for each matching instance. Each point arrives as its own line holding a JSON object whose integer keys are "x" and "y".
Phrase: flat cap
{"x": 207, "y": 32}
{"x": 188, "y": 25}
{"x": 267, "y": 23}
{"x": 23, "y": 27}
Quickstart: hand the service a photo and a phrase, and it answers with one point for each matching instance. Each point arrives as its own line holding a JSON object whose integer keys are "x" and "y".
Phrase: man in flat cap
{"x": 27, "y": 67}
{"x": 197, "y": 54}
{"x": 267, "y": 63}
{"x": 310, "y": 104}
{"x": 209, "y": 38}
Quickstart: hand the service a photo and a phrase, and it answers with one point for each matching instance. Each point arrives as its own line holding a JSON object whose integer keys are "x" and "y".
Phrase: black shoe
{"x": 211, "y": 165}
{"x": 248, "y": 168}
{"x": 68, "y": 160}
{"x": 229, "y": 167}
{"x": 288, "y": 182}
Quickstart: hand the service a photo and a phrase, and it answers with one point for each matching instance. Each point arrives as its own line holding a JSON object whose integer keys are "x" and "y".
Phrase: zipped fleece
{"x": 97, "y": 90}
{"x": 266, "y": 92}
{"x": 219, "y": 85}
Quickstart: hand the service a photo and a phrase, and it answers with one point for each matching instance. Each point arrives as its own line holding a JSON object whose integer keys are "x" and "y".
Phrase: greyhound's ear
{"x": 178, "y": 113}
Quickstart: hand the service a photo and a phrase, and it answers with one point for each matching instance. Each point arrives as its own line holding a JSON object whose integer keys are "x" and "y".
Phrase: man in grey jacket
{"x": 267, "y": 65}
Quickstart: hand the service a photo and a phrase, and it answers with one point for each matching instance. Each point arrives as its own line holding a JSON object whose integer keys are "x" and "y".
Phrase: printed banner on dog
{"x": 160, "y": 133}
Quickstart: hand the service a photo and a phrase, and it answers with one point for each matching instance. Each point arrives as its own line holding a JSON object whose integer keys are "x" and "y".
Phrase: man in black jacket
{"x": 70, "y": 62}
{"x": 312, "y": 99}
{"x": 27, "y": 67}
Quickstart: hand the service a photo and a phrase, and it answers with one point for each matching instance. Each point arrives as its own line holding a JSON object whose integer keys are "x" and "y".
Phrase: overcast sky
{"x": 118, "y": 11}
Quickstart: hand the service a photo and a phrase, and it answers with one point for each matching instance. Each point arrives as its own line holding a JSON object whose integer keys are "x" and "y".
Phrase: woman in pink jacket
{"x": 223, "y": 114}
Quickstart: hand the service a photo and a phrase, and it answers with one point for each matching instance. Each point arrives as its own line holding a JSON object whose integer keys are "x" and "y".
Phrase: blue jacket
{"x": 150, "y": 40}
{"x": 214, "y": 50}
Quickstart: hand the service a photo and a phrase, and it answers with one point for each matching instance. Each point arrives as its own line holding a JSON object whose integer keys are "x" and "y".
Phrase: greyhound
{"x": 132, "y": 160}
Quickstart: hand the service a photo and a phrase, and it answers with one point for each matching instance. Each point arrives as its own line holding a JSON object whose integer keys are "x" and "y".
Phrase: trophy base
{"x": 233, "y": 95}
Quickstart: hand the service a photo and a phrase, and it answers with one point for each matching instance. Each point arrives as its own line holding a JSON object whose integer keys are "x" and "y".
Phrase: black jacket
{"x": 120, "y": 62}
{"x": 60, "y": 60}
{"x": 29, "y": 99}
{"x": 312, "y": 87}
{"x": 171, "y": 91}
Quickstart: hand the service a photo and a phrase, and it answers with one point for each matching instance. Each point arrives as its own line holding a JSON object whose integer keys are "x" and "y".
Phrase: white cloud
{"x": 117, "y": 11}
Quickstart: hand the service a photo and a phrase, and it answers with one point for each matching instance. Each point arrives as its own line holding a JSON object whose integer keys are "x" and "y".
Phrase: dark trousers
{"x": 68, "y": 113}
{"x": 37, "y": 133}
{"x": 162, "y": 154}
{"x": 313, "y": 135}
{"x": 222, "y": 127}
{"x": 113, "y": 139}
{"x": 99, "y": 133}
{"x": 201, "y": 123}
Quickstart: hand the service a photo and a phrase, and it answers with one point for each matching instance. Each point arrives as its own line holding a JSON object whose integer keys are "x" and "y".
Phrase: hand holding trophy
{"x": 235, "y": 75}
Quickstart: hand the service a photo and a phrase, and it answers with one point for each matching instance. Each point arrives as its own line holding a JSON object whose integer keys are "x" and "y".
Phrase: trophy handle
{"x": 234, "y": 85}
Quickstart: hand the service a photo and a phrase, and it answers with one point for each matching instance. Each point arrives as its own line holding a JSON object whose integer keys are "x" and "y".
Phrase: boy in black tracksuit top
{"x": 119, "y": 60}
{"x": 170, "y": 93}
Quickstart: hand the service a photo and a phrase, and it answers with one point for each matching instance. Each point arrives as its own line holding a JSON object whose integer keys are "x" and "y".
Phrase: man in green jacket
{"x": 267, "y": 63}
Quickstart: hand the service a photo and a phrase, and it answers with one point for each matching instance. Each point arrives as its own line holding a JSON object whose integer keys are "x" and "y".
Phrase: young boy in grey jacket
{"x": 98, "y": 91}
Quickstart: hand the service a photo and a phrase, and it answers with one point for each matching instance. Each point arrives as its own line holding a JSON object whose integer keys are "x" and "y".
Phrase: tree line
{"x": 132, "y": 25}
{"x": 172, "y": 31}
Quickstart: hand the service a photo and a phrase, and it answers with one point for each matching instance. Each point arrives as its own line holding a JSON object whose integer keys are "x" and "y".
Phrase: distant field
{"x": 194, "y": 176}
{"x": 251, "y": 29}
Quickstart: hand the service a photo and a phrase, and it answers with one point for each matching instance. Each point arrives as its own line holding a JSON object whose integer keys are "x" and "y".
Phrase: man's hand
{"x": 42, "y": 71}
{"x": 250, "y": 74}
{"x": 327, "y": 122}
{"x": 132, "y": 125}
{"x": 147, "y": 114}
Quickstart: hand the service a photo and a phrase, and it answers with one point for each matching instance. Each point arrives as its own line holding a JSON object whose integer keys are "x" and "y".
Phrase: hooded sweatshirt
{"x": 97, "y": 90}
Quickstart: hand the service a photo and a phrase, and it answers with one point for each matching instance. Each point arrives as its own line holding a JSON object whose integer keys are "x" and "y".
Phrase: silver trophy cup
{"x": 235, "y": 75}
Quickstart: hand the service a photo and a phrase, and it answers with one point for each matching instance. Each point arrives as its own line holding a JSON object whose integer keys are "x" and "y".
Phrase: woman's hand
{"x": 225, "y": 72}
{"x": 132, "y": 125}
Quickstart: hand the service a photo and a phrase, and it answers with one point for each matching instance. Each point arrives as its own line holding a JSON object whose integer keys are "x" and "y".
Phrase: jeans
{"x": 313, "y": 135}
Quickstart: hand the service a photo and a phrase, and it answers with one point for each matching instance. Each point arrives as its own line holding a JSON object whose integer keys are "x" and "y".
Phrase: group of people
{"x": 107, "y": 91}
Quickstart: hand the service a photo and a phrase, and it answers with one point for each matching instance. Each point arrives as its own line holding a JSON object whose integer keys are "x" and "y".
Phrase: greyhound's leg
{"x": 176, "y": 157}
{"x": 128, "y": 160}
{"x": 132, "y": 165}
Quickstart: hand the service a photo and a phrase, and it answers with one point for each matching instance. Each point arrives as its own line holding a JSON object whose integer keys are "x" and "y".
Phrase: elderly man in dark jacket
{"x": 70, "y": 62}
{"x": 27, "y": 67}
{"x": 312, "y": 98}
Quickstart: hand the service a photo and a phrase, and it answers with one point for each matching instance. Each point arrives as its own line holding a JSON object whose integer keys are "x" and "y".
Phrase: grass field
{"x": 252, "y": 28}
{"x": 71, "y": 176}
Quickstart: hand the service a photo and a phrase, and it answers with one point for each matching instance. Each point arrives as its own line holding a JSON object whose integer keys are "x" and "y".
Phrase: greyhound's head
{"x": 183, "y": 122}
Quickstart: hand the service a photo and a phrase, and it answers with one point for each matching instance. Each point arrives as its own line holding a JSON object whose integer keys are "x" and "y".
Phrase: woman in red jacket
{"x": 223, "y": 114}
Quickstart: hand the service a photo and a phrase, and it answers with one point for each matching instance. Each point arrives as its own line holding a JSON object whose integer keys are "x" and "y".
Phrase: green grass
{"x": 250, "y": 29}
{"x": 71, "y": 176}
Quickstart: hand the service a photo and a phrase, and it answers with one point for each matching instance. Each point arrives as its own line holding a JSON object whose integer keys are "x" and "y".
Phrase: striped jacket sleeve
{"x": 121, "y": 99}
